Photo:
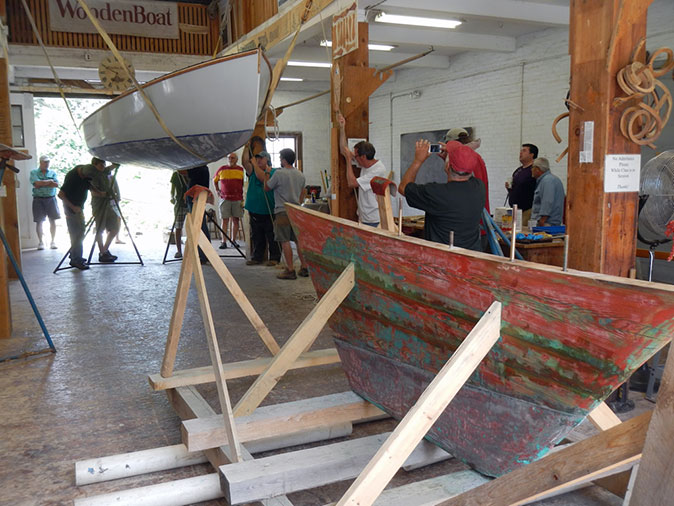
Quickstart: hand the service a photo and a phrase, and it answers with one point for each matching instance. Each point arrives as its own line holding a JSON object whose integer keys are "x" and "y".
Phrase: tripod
{"x": 4, "y": 158}
{"x": 89, "y": 225}
{"x": 210, "y": 217}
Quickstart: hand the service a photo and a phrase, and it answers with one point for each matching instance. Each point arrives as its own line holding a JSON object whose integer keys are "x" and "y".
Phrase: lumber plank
{"x": 201, "y": 375}
{"x": 189, "y": 403}
{"x": 654, "y": 483}
{"x": 609, "y": 448}
{"x": 603, "y": 418}
{"x": 129, "y": 464}
{"x": 304, "y": 469}
{"x": 426, "y": 411}
{"x": 240, "y": 297}
{"x": 211, "y": 337}
{"x": 172, "y": 493}
{"x": 279, "y": 420}
{"x": 301, "y": 339}
{"x": 324, "y": 433}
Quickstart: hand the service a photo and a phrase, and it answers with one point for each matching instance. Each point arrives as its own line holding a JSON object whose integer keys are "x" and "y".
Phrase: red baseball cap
{"x": 462, "y": 158}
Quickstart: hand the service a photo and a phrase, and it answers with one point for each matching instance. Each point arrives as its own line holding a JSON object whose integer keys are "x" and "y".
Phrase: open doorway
{"x": 145, "y": 193}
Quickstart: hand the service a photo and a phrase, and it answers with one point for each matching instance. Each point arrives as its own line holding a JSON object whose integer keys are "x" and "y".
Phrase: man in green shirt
{"x": 45, "y": 185}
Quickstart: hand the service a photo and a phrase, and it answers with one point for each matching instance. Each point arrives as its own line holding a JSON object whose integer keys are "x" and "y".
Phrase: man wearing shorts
{"x": 103, "y": 206}
{"x": 289, "y": 186}
{"x": 229, "y": 184}
{"x": 45, "y": 185}
{"x": 178, "y": 189}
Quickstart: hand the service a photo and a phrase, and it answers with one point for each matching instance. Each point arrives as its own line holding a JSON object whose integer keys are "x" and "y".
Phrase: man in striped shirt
{"x": 229, "y": 184}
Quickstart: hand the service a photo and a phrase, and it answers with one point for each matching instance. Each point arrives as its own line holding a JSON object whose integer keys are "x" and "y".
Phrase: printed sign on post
{"x": 621, "y": 173}
{"x": 125, "y": 17}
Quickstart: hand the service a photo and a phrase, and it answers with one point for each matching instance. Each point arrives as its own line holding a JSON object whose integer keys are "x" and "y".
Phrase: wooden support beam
{"x": 344, "y": 202}
{"x": 239, "y": 296}
{"x": 432, "y": 402}
{"x": 10, "y": 213}
{"x": 304, "y": 469}
{"x": 188, "y": 403}
{"x": 124, "y": 465}
{"x": 301, "y": 339}
{"x": 5, "y": 138}
{"x": 601, "y": 226}
{"x": 232, "y": 370}
{"x": 193, "y": 223}
{"x": 612, "y": 447}
{"x": 278, "y": 420}
{"x": 654, "y": 482}
{"x": 172, "y": 493}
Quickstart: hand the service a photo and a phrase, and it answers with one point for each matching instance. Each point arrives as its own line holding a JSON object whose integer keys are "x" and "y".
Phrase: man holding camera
{"x": 455, "y": 206}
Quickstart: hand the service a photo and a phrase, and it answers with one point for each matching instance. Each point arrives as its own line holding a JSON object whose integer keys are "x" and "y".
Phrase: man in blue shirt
{"x": 548, "y": 206}
{"x": 45, "y": 185}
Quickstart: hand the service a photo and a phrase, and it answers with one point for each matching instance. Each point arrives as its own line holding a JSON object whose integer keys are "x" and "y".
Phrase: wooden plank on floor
{"x": 172, "y": 493}
{"x": 200, "y": 375}
{"x": 189, "y": 403}
{"x": 304, "y": 469}
{"x": 284, "y": 419}
{"x": 612, "y": 447}
{"x": 124, "y": 465}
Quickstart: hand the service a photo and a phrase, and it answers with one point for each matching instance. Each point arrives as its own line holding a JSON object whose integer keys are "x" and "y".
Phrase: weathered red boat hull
{"x": 568, "y": 339}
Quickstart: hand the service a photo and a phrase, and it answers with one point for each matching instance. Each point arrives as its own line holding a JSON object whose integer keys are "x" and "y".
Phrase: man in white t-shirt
{"x": 362, "y": 156}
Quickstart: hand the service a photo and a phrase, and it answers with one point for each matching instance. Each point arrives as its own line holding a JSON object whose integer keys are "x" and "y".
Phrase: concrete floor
{"x": 92, "y": 398}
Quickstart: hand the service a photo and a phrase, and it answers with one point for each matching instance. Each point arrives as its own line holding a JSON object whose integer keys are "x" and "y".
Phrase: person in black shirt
{"x": 455, "y": 206}
{"x": 521, "y": 190}
{"x": 199, "y": 176}
{"x": 73, "y": 193}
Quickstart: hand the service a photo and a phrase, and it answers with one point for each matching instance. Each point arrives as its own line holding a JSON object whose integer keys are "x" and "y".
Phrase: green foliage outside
{"x": 145, "y": 193}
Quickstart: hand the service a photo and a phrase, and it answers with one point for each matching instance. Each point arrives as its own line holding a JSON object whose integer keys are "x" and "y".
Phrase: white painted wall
{"x": 24, "y": 194}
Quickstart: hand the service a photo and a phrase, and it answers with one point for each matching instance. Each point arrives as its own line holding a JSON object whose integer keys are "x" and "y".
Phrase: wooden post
{"x": 344, "y": 202}
{"x": 5, "y": 138}
{"x": 602, "y": 226}
{"x": 654, "y": 484}
{"x": 10, "y": 214}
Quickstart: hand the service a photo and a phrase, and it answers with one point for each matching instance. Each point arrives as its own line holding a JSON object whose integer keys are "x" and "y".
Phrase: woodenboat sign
{"x": 568, "y": 339}
{"x": 124, "y": 17}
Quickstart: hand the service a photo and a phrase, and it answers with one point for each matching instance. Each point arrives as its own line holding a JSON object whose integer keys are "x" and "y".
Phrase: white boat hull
{"x": 211, "y": 107}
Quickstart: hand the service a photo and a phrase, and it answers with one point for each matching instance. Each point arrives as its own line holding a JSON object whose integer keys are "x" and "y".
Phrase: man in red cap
{"x": 455, "y": 206}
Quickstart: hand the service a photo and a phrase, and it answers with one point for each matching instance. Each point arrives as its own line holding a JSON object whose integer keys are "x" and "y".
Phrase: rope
{"x": 643, "y": 123}
{"x": 53, "y": 70}
{"x": 140, "y": 90}
{"x": 276, "y": 130}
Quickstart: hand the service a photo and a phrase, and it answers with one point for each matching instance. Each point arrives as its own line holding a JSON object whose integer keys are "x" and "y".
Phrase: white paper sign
{"x": 621, "y": 173}
{"x": 125, "y": 17}
{"x": 588, "y": 142}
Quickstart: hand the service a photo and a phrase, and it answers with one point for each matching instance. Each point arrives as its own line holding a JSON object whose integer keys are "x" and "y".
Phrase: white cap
{"x": 44, "y": 158}
{"x": 454, "y": 134}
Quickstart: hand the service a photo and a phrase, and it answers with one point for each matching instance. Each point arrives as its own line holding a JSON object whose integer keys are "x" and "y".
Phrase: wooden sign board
{"x": 345, "y": 28}
{"x": 125, "y": 17}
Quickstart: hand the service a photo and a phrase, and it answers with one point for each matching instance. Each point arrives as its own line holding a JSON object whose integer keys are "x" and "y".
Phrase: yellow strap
{"x": 140, "y": 90}
{"x": 53, "y": 70}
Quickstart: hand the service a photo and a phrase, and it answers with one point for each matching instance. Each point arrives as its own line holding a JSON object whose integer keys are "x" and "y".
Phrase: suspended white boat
{"x": 210, "y": 107}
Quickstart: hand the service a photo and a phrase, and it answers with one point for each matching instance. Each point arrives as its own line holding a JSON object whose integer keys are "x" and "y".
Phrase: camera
{"x": 435, "y": 148}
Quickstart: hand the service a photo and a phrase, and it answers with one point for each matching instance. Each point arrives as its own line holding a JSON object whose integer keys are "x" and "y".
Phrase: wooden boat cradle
{"x": 226, "y": 443}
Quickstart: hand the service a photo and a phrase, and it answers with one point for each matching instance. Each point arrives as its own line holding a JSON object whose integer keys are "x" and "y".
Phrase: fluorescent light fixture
{"x": 294, "y": 79}
{"x": 371, "y": 47}
{"x": 318, "y": 64}
{"x": 417, "y": 21}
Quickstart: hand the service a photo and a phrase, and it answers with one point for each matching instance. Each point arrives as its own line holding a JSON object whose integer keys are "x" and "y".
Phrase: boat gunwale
{"x": 176, "y": 73}
{"x": 597, "y": 276}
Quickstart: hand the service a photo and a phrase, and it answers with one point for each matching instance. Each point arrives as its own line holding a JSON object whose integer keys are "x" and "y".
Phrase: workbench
{"x": 550, "y": 253}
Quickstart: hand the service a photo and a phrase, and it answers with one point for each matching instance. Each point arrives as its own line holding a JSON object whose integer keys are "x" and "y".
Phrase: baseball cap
{"x": 462, "y": 158}
{"x": 453, "y": 134}
{"x": 44, "y": 158}
{"x": 264, "y": 154}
